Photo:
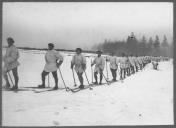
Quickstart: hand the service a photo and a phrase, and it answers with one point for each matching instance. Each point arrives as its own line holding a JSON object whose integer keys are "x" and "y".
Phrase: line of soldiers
{"x": 126, "y": 65}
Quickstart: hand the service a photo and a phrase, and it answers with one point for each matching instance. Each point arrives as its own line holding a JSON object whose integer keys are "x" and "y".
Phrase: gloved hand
{"x": 59, "y": 64}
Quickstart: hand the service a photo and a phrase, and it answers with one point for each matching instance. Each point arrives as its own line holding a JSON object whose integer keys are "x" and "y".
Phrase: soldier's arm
{"x": 93, "y": 62}
{"x": 73, "y": 62}
{"x": 59, "y": 56}
{"x": 46, "y": 59}
{"x": 84, "y": 63}
{"x": 117, "y": 61}
{"x": 84, "y": 60}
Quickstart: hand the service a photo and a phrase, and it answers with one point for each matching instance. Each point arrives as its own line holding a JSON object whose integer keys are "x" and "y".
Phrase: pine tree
{"x": 164, "y": 43}
{"x": 144, "y": 40}
{"x": 143, "y": 45}
{"x": 151, "y": 42}
{"x": 157, "y": 42}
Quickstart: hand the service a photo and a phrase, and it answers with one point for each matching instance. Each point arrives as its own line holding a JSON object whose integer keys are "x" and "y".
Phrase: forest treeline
{"x": 132, "y": 46}
{"x": 139, "y": 47}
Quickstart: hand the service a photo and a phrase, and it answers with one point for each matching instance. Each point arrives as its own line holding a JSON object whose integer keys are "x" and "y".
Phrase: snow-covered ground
{"x": 145, "y": 98}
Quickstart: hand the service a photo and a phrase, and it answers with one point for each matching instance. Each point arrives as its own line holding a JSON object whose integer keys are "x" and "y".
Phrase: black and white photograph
{"x": 87, "y": 63}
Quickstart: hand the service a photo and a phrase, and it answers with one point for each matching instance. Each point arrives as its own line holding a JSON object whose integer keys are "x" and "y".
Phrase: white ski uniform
{"x": 79, "y": 61}
{"x": 113, "y": 62}
{"x": 127, "y": 62}
{"x": 51, "y": 58}
{"x": 136, "y": 61}
{"x": 99, "y": 64}
{"x": 123, "y": 62}
{"x": 11, "y": 58}
{"x": 139, "y": 60}
{"x": 132, "y": 61}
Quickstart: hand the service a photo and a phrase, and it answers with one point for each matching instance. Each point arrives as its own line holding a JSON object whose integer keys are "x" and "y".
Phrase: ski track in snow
{"x": 145, "y": 98}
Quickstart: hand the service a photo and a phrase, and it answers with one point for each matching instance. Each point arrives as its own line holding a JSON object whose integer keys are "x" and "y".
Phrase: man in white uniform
{"x": 127, "y": 63}
{"x": 132, "y": 63}
{"x": 11, "y": 62}
{"x": 51, "y": 58}
{"x": 113, "y": 65}
{"x": 79, "y": 61}
{"x": 136, "y": 63}
{"x": 123, "y": 60}
{"x": 99, "y": 67}
{"x": 140, "y": 62}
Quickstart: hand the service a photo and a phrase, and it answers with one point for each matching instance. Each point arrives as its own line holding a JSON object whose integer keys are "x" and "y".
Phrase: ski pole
{"x": 74, "y": 77}
{"x": 10, "y": 79}
{"x": 87, "y": 80}
{"x": 106, "y": 68}
{"x": 67, "y": 89}
{"x": 48, "y": 80}
{"x": 92, "y": 71}
{"x": 105, "y": 79}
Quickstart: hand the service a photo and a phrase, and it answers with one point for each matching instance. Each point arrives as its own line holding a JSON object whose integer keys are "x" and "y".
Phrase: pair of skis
{"x": 74, "y": 90}
{"x": 46, "y": 90}
{"x": 86, "y": 87}
{"x": 14, "y": 90}
{"x": 52, "y": 89}
{"x": 77, "y": 88}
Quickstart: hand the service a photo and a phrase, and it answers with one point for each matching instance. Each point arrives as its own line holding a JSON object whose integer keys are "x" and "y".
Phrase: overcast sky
{"x": 72, "y": 24}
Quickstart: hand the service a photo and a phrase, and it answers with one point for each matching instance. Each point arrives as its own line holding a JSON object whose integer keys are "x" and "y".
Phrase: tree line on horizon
{"x": 132, "y": 46}
{"x": 141, "y": 47}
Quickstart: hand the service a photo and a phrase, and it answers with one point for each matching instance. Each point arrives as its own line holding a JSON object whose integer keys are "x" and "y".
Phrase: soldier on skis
{"x": 51, "y": 58}
{"x": 11, "y": 62}
{"x": 140, "y": 62}
{"x": 136, "y": 63}
{"x": 132, "y": 63}
{"x": 79, "y": 61}
{"x": 99, "y": 67}
{"x": 127, "y": 63}
{"x": 122, "y": 66}
{"x": 113, "y": 65}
